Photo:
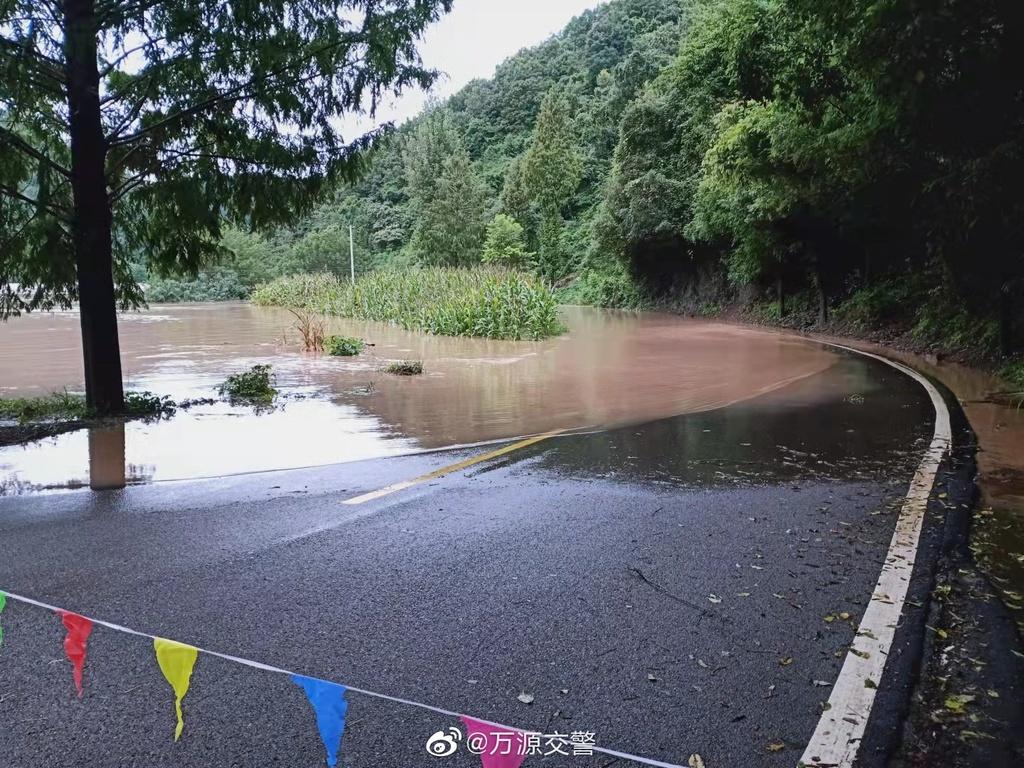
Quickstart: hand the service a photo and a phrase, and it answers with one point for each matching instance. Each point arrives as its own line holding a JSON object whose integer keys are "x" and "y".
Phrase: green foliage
{"x": 343, "y": 346}
{"x": 505, "y": 244}
{"x": 194, "y": 95}
{"x": 550, "y": 174}
{"x": 883, "y": 302}
{"x": 1013, "y": 372}
{"x": 405, "y": 368}
{"x": 65, "y": 406}
{"x": 484, "y": 301}
{"x": 254, "y": 386}
{"x": 61, "y": 406}
{"x": 448, "y": 200}
{"x": 217, "y": 283}
{"x": 147, "y": 404}
{"x": 606, "y": 284}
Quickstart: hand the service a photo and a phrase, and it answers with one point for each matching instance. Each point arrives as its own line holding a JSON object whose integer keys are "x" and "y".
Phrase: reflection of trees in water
{"x": 11, "y": 485}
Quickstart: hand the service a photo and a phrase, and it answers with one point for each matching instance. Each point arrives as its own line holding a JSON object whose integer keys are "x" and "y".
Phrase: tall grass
{"x": 482, "y": 301}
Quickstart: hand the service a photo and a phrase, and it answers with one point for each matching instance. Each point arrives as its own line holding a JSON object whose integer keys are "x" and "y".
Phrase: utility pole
{"x": 351, "y": 254}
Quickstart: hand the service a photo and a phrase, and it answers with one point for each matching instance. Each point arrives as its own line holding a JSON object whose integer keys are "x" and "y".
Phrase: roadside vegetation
{"x": 483, "y": 301}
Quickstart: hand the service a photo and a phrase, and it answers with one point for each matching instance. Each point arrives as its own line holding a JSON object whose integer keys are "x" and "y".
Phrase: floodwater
{"x": 997, "y": 538}
{"x": 611, "y": 368}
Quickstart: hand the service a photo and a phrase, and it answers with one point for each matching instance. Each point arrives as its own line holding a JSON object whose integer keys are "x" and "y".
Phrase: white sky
{"x": 474, "y": 38}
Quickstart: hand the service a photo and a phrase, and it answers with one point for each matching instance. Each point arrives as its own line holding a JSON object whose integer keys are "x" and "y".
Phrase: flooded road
{"x": 610, "y": 369}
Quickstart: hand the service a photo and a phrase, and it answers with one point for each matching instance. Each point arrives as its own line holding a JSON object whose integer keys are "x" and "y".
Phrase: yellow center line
{"x": 438, "y": 473}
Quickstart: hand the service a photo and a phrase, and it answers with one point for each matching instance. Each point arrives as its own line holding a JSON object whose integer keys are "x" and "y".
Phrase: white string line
{"x": 365, "y": 692}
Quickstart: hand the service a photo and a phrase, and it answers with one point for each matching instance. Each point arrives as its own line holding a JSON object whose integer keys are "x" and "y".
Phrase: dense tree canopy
{"x": 813, "y": 156}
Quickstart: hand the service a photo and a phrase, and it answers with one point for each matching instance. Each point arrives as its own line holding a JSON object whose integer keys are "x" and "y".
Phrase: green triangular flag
{"x": 3, "y": 603}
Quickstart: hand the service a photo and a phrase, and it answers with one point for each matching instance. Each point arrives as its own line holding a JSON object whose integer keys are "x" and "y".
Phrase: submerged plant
{"x": 252, "y": 386}
{"x": 405, "y": 368}
{"x": 66, "y": 406}
{"x": 312, "y": 329}
{"x": 62, "y": 406}
{"x": 147, "y": 404}
{"x": 343, "y": 346}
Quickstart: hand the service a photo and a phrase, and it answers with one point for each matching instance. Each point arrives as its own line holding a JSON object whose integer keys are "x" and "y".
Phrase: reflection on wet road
{"x": 611, "y": 369}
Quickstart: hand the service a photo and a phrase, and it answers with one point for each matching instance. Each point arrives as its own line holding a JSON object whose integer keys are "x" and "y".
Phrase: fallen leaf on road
{"x": 651, "y": 678}
{"x": 776, "y": 746}
{"x": 822, "y": 683}
{"x": 957, "y": 703}
{"x": 786, "y": 661}
{"x": 696, "y": 761}
{"x": 526, "y": 698}
{"x": 714, "y": 599}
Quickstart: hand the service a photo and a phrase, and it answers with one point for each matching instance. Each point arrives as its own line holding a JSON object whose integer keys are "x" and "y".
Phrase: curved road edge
{"x": 950, "y": 614}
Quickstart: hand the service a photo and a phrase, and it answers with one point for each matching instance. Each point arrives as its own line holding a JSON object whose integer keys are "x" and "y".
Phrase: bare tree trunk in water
{"x": 91, "y": 229}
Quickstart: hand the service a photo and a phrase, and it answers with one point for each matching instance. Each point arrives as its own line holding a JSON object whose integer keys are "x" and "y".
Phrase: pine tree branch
{"x": 12, "y": 139}
{"x": 16, "y": 195}
{"x": 236, "y": 93}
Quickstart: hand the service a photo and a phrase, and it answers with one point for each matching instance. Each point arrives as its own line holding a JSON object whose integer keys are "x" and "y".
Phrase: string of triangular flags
{"x": 177, "y": 662}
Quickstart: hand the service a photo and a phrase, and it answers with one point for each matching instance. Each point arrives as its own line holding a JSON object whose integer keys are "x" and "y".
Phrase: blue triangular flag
{"x": 329, "y": 705}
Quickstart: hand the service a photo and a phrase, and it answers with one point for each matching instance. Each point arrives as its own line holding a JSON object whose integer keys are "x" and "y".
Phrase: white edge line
{"x": 837, "y": 738}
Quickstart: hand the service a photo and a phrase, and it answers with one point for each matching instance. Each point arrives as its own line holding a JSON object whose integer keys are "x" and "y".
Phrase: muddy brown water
{"x": 611, "y": 368}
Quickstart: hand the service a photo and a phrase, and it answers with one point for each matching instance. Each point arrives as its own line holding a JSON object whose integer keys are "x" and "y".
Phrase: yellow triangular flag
{"x": 176, "y": 662}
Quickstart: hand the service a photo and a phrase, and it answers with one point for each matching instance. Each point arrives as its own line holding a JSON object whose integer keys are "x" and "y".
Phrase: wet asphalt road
{"x": 662, "y": 585}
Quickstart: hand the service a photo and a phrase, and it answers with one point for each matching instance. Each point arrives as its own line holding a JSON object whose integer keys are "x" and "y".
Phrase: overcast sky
{"x": 477, "y": 36}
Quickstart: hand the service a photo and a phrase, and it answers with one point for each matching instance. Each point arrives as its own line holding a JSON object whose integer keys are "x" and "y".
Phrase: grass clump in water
{"x": 405, "y": 368}
{"x": 59, "y": 406}
{"x": 343, "y": 346}
{"x": 252, "y": 386}
{"x": 490, "y": 302}
{"x": 65, "y": 406}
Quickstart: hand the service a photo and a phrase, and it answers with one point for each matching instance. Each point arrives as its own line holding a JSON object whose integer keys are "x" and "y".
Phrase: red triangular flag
{"x": 79, "y": 628}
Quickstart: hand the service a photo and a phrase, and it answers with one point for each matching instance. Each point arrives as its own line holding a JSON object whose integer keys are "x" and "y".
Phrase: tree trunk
{"x": 91, "y": 228}
{"x": 819, "y": 278}
{"x": 1006, "y": 340}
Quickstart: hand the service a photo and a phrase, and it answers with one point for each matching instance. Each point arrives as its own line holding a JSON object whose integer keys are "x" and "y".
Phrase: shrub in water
{"x": 343, "y": 346}
{"x": 253, "y": 386}
{"x": 405, "y": 368}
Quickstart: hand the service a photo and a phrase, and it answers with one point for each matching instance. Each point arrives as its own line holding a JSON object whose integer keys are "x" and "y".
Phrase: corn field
{"x": 482, "y": 301}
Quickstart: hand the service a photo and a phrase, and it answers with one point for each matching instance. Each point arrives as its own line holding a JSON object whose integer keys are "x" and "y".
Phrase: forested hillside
{"x": 810, "y": 159}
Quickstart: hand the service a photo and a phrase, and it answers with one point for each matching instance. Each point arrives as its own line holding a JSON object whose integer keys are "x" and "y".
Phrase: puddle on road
{"x": 612, "y": 368}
